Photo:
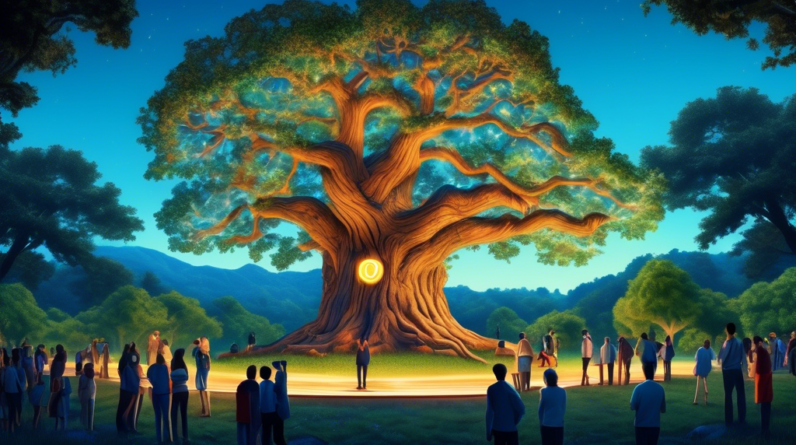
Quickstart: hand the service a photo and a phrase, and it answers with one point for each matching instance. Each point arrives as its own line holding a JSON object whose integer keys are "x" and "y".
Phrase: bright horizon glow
{"x": 633, "y": 73}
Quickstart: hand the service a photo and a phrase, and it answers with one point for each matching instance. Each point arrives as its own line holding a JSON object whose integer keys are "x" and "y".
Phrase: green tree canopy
{"x": 129, "y": 314}
{"x": 152, "y": 284}
{"x": 103, "y": 277}
{"x": 733, "y": 156}
{"x": 66, "y": 330}
{"x": 767, "y": 307}
{"x": 661, "y": 294}
{"x": 732, "y": 18}
{"x": 30, "y": 269}
{"x": 20, "y": 315}
{"x": 237, "y": 322}
{"x": 567, "y": 325}
{"x": 32, "y": 39}
{"x": 187, "y": 320}
{"x": 51, "y": 200}
{"x": 510, "y": 324}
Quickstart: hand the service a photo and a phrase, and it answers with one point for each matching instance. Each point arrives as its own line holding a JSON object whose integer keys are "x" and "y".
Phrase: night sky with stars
{"x": 633, "y": 73}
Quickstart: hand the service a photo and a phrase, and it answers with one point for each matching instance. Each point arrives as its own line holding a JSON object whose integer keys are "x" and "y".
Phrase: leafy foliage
{"x": 20, "y": 316}
{"x": 238, "y": 322}
{"x": 187, "y": 320}
{"x": 66, "y": 330}
{"x": 32, "y": 39}
{"x": 30, "y": 269}
{"x": 733, "y": 156}
{"x": 510, "y": 324}
{"x": 732, "y": 19}
{"x": 767, "y": 307}
{"x": 102, "y": 277}
{"x": 567, "y": 325}
{"x": 152, "y": 284}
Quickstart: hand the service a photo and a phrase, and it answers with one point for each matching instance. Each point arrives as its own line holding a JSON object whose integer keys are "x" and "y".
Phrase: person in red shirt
{"x": 764, "y": 389}
{"x": 247, "y": 414}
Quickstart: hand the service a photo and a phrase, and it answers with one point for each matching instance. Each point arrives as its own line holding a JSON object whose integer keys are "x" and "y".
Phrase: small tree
{"x": 66, "y": 330}
{"x": 767, "y": 307}
{"x": 510, "y": 324}
{"x": 567, "y": 325}
{"x": 661, "y": 294}
{"x": 187, "y": 319}
{"x": 20, "y": 316}
{"x": 237, "y": 322}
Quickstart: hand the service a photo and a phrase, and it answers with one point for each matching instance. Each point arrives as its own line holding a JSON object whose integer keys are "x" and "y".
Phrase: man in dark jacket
{"x": 247, "y": 415}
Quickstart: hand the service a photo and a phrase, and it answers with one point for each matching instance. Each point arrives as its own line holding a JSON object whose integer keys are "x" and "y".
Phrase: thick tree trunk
{"x": 406, "y": 310}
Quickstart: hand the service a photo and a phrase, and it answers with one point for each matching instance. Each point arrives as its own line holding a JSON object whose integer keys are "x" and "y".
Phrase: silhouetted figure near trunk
{"x": 363, "y": 360}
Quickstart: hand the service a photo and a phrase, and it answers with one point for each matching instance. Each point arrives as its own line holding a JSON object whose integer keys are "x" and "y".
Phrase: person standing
{"x": 282, "y": 401}
{"x": 733, "y": 361}
{"x": 124, "y": 394}
{"x": 667, "y": 353}
{"x": 497, "y": 332}
{"x": 165, "y": 351}
{"x": 586, "y": 349}
{"x": 608, "y": 358}
{"x": 704, "y": 364}
{"x": 647, "y": 350}
{"x": 201, "y": 353}
{"x": 12, "y": 390}
{"x": 773, "y": 351}
{"x": 252, "y": 341}
{"x": 158, "y": 376}
{"x": 269, "y": 416}
{"x": 130, "y": 383}
{"x": 16, "y": 366}
{"x": 504, "y": 409}
{"x": 87, "y": 393}
{"x": 41, "y": 361}
{"x": 153, "y": 345}
{"x": 60, "y": 390}
{"x": 26, "y": 361}
{"x": 649, "y": 402}
{"x": 363, "y": 360}
{"x": 524, "y": 362}
{"x": 790, "y": 354}
{"x": 548, "y": 349}
{"x": 37, "y": 400}
{"x": 625, "y": 358}
{"x": 179, "y": 394}
{"x": 552, "y": 406}
{"x": 764, "y": 385}
{"x": 248, "y": 412}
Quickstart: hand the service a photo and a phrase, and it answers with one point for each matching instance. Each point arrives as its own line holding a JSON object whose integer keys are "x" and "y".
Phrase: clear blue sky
{"x": 633, "y": 73}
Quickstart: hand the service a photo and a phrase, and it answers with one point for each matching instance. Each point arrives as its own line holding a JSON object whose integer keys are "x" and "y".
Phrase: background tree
{"x": 129, "y": 314}
{"x": 187, "y": 320}
{"x": 394, "y": 132}
{"x": 661, "y": 294}
{"x": 152, "y": 284}
{"x": 732, "y": 19}
{"x": 31, "y": 39}
{"x": 567, "y": 325}
{"x": 66, "y": 330}
{"x": 510, "y": 324}
{"x": 20, "y": 316}
{"x": 703, "y": 166}
{"x": 767, "y": 307}
{"x": 50, "y": 200}
{"x": 103, "y": 276}
{"x": 30, "y": 269}
{"x": 717, "y": 311}
{"x": 237, "y": 322}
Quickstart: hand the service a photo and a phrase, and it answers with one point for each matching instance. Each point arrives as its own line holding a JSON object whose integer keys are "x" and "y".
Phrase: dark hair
{"x": 584, "y": 332}
{"x": 522, "y": 335}
{"x": 757, "y": 339}
{"x": 551, "y": 377}
{"x": 649, "y": 372}
{"x": 6, "y": 360}
{"x": 133, "y": 349}
{"x": 251, "y": 372}
{"x": 78, "y": 367}
{"x": 265, "y": 373}
{"x": 160, "y": 360}
{"x": 731, "y": 328}
{"x": 59, "y": 348}
{"x": 15, "y": 355}
{"x": 165, "y": 342}
{"x": 178, "y": 361}
{"x": 668, "y": 339}
{"x": 707, "y": 343}
{"x": 500, "y": 371}
{"x": 126, "y": 348}
{"x": 644, "y": 335}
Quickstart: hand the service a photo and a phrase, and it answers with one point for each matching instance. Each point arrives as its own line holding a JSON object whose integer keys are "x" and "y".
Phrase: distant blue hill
{"x": 292, "y": 298}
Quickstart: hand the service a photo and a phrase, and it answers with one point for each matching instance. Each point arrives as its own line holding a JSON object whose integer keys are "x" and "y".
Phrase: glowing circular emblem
{"x": 370, "y": 271}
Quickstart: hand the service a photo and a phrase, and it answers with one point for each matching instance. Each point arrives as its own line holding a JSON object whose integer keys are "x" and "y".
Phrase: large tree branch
{"x": 475, "y": 231}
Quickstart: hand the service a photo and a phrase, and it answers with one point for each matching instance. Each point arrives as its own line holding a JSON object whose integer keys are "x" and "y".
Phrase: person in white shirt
{"x": 504, "y": 409}
{"x": 586, "y": 348}
{"x": 552, "y": 406}
{"x": 648, "y": 401}
{"x": 608, "y": 358}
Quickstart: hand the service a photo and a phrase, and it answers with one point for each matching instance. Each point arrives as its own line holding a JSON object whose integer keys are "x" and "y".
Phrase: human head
{"x": 500, "y": 371}
{"x": 15, "y": 355}
{"x": 59, "y": 348}
{"x": 706, "y": 344}
{"x": 165, "y": 342}
{"x": 668, "y": 340}
{"x": 550, "y": 377}
{"x": 772, "y": 335}
{"x": 133, "y": 349}
{"x": 584, "y": 332}
{"x": 265, "y": 373}
{"x": 793, "y": 334}
{"x": 649, "y": 372}
{"x": 644, "y": 336}
{"x": 730, "y": 328}
{"x": 6, "y": 360}
{"x": 40, "y": 348}
{"x": 204, "y": 346}
{"x": 156, "y": 333}
{"x": 178, "y": 361}
{"x": 160, "y": 360}
{"x": 757, "y": 339}
{"x": 522, "y": 335}
{"x": 251, "y": 372}
{"x": 607, "y": 340}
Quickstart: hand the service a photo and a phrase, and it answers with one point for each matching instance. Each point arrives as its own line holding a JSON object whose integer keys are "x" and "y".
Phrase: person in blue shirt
{"x": 16, "y": 365}
{"x": 667, "y": 354}
{"x": 704, "y": 364}
{"x": 268, "y": 402}
{"x": 130, "y": 382}
{"x": 201, "y": 353}
{"x": 282, "y": 401}
{"x": 158, "y": 376}
{"x": 12, "y": 389}
{"x": 179, "y": 396}
{"x": 648, "y": 401}
{"x": 363, "y": 360}
{"x": 552, "y": 406}
{"x": 504, "y": 409}
{"x": 733, "y": 362}
{"x": 647, "y": 350}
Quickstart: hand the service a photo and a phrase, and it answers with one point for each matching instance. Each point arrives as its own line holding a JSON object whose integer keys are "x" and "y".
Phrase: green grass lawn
{"x": 595, "y": 415}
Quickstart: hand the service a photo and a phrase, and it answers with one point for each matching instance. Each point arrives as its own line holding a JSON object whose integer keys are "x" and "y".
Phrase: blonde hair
{"x": 204, "y": 345}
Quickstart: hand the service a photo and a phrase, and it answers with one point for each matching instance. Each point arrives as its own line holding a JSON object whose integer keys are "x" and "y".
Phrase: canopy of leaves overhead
{"x": 767, "y": 307}
{"x": 734, "y": 156}
{"x": 33, "y": 37}
{"x": 260, "y": 82}
{"x": 732, "y": 19}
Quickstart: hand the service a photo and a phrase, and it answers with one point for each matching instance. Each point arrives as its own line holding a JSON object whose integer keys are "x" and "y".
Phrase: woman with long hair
{"x": 179, "y": 396}
{"x": 704, "y": 364}
{"x": 201, "y": 353}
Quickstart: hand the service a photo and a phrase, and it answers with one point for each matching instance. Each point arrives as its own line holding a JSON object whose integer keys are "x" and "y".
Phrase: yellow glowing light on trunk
{"x": 370, "y": 271}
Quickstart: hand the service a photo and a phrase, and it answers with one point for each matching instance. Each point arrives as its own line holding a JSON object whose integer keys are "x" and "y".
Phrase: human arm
{"x": 541, "y": 406}
{"x": 490, "y": 415}
{"x": 634, "y": 400}
{"x": 517, "y": 407}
